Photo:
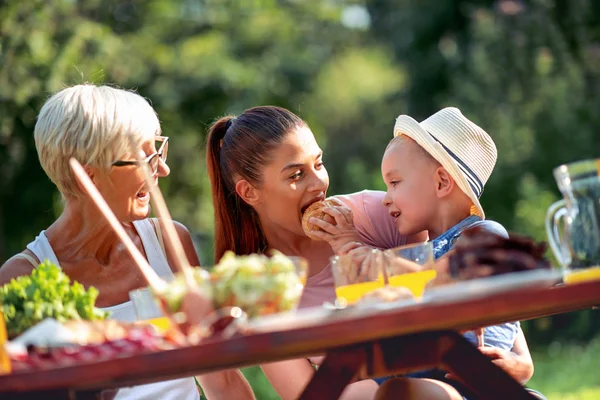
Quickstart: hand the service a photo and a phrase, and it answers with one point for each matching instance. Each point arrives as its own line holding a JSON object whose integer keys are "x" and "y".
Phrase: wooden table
{"x": 375, "y": 340}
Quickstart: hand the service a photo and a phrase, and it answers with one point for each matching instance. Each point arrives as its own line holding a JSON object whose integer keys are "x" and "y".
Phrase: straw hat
{"x": 465, "y": 150}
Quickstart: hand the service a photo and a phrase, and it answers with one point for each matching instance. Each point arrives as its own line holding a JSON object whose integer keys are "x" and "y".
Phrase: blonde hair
{"x": 94, "y": 124}
{"x": 422, "y": 151}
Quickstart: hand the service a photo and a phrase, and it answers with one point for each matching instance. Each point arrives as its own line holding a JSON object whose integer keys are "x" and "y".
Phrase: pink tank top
{"x": 376, "y": 228}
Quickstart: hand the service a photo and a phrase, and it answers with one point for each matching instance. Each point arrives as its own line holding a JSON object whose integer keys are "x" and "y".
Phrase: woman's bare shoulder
{"x": 186, "y": 240}
{"x": 16, "y": 266}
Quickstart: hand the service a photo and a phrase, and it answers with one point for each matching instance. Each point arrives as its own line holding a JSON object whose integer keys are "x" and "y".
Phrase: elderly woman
{"x": 97, "y": 125}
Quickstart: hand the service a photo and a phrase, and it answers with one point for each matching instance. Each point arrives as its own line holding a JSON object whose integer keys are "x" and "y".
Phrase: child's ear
{"x": 444, "y": 183}
{"x": 247, "y": 192}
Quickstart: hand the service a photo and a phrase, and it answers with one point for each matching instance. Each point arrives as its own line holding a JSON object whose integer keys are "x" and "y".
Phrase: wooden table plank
{"x": 447, "y": 350}
{"x": 483, "y": 377}
{"x": 333, "y": 331}
{"x": 337, "y": 371}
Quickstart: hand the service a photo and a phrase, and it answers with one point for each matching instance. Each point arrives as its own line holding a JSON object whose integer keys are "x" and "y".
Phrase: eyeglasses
{"x": 152, "y": 159}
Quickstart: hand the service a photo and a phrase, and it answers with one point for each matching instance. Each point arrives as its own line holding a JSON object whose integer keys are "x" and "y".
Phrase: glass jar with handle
{"x": 573, "y": 223}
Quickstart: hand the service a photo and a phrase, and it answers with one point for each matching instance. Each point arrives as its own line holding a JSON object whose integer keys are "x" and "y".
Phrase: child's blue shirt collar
{"x": 444, "y": 243}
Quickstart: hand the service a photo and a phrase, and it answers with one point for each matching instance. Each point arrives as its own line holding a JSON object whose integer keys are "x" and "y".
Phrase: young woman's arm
{"x": 226, "y": 385}
{"x": 222, "y": 385}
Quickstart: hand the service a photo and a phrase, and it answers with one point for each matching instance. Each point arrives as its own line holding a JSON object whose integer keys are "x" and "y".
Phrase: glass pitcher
{"x": 573, "y": 224}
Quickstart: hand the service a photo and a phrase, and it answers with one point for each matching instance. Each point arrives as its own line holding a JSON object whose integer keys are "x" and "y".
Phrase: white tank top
{"x": 177, "y": 389}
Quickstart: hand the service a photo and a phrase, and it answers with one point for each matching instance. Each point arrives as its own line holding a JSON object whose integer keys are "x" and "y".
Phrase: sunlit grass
{"x": 568, "y": 372}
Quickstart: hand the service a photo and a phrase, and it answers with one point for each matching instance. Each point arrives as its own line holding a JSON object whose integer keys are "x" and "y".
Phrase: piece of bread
{"x": 387, "y": 294}
{"x": 316, "y": 210}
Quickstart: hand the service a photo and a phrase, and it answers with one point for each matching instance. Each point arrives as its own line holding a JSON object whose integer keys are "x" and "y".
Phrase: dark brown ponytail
{"x": 236, "y": 149}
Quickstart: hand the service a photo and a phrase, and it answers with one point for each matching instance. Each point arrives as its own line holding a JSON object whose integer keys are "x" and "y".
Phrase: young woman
{"x": 266, "y": 168}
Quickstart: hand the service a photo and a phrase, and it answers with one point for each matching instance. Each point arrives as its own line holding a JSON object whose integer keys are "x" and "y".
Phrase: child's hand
{"x": 360, "y": 264}
{"x": 348, "y": 247}
{"x": 513, "y": 364}
{"x": 398, "y": 266}
{"x": 338, "y": 235}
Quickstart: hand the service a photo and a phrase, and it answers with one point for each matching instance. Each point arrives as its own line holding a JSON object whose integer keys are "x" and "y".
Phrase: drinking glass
{"x": 410, "y": 266}
{"x": 5, "y": 367}
{"x": 147, "y": 308}
{"x": 356, "y": 274}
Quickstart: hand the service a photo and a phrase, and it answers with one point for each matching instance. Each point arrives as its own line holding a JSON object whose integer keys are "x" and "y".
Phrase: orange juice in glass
{"x": 356, "y": 275}
{"x": 582, "y": 275}
{"x": 353, "y": 292}
{"x": 415, "y": 281}
{"x": 147, "y": 309}
{"x": 4, "y": 360}
{"x": 410, "y": 266}
{"x": 161, "y": 323}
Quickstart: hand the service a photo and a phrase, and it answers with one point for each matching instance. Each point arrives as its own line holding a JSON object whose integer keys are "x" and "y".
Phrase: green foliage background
{"x": 526, "y": 71}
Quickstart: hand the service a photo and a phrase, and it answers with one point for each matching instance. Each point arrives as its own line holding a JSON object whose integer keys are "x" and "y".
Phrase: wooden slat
{"x": 339, "y": 369}
{"x": 484, "y": 378}
{"x": 444, "y": 349}
{"x": 334, "y": 333}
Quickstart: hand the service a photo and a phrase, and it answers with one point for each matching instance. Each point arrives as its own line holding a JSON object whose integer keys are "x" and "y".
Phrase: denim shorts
{"x": 441, "y": 376}
{"x": 436, "y": 374}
